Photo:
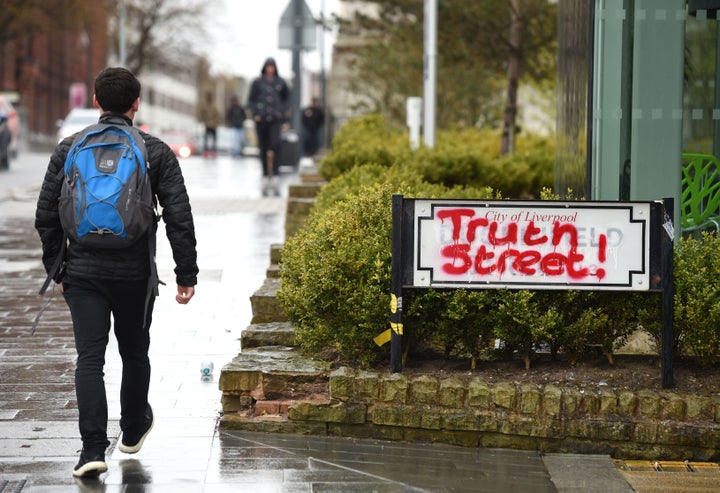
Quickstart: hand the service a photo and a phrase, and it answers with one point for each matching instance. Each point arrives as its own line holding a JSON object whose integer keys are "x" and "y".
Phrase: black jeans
{"x": 91, "y": 303}
{"x": 269, "y": 140}
{"x": 210, "y": 135}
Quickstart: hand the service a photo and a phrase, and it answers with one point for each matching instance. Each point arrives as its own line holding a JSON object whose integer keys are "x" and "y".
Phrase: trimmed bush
{"x": 523, "y": 324}
{"x": 364, "y": 140}
{"x": 467, "y": 157}
{"x": 591, "y": 321}
{"x": 336, "y": 269}
{"x": 459, "y": 322}
{"x": 697, "y": 296}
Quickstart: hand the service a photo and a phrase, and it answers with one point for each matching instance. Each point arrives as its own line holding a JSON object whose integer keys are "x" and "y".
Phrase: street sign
{"x": 308, "y": 27}
{"x": 541, "y": 244}
{"x": 531, "y": 245}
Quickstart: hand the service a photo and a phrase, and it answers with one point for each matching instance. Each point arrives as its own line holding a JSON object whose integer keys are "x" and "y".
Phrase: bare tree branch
{"x": 157, "y": 30}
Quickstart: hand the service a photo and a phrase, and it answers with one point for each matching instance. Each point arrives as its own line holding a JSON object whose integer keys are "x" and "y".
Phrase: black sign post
{"x": 396, "y": 299}
{"x": 668, "y": 292}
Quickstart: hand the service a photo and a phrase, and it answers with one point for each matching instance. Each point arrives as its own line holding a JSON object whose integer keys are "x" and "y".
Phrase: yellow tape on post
{"x": 382, "y": 338}
{"x": 385, "y": 337}
{"x": 397, "y": 328}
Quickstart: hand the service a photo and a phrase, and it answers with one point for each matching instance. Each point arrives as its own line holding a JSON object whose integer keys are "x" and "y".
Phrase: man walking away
{"x": 98, "y": 283}
{"x": 268, "y": 102}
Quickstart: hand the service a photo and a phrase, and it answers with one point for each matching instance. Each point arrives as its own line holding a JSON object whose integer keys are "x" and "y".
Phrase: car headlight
{"x": 184, "y": 151}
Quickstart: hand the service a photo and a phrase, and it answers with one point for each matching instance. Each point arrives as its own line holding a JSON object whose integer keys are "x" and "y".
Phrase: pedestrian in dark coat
{"x": 5, "y": 138}
{"x": 99, "y": 283}
{"x": 268, "y": 102}
{"x": 313, "y": 118}
{"x": 235, "y": 118}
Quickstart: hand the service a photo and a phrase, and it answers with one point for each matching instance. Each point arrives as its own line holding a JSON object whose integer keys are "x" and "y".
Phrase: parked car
{"x": 76, "y": 120}
{"x": 7, "y": 109}
{"x": 181, "y": 143}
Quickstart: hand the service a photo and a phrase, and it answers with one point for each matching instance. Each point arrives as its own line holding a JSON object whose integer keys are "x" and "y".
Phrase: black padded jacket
{"x": 131, "y": 263}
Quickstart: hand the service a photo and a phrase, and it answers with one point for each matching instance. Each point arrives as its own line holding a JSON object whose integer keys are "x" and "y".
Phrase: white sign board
{"x": 532, "y": 245}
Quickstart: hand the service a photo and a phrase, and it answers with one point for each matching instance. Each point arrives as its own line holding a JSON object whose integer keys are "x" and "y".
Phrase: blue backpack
{"x": 106, "y": 199}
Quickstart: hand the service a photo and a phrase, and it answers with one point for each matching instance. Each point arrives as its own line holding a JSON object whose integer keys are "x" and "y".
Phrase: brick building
{"x": 39, "y": 71}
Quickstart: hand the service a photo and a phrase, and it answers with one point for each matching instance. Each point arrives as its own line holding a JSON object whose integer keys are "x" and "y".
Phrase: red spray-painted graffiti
{"x": 521, "y": 241}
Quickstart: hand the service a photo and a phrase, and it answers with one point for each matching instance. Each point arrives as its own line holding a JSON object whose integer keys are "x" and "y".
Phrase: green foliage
{"x": 539, "y": 154}
{"x": 459, "y": 321}
{"x": 696, "y": 321}
{"x": 336, "y": 269}
{"x": 473, "y": 50}
{"x": 697, "y": 296}
{"x": 360, "y": 176}
{"x": 592, "y": 319}
{"x": 700, "y": 56}
{"x": 523, "y": 324}
{"x": 336, "y": 273}
{"x": 466, "y": 157}
{"x": 364, "y": 140}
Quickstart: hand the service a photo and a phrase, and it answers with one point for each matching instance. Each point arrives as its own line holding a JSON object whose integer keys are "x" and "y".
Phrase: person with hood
{"x": 268, "y": 102}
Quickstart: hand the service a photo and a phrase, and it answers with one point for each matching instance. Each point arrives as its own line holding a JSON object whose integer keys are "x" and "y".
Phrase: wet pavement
{"x": 186, "y": 452}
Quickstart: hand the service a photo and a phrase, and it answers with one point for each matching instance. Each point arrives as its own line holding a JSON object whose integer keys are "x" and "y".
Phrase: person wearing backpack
{"x": 117, "y": 277}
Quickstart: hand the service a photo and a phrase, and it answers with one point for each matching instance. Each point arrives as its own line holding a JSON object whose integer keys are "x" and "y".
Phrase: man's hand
{"x": 184, "y": 294}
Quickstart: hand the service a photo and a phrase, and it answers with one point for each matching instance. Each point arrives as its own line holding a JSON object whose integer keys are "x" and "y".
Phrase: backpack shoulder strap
{"x": 136, "y": 139}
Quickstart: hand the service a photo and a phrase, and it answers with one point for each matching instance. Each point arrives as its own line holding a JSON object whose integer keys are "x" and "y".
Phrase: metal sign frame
{"x": 430, "y": 235}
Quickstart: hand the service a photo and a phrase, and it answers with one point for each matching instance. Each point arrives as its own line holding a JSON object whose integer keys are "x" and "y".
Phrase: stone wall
{"x": 472, "y": 413}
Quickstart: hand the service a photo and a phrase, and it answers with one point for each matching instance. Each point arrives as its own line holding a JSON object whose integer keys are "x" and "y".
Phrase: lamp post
{"x": 430, "y": 72}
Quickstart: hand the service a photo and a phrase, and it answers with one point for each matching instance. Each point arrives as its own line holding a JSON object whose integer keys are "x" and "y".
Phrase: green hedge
{"x": 696, "y": 322}
{"x": 336, "y": 269}
{"x": 336, "y": 282}
{"x": 467, "y": 157}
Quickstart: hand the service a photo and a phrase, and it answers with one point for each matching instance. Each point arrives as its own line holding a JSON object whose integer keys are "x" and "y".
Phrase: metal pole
{"x": 668, "y": 312}
{"x": 716, "y": 125}
{"x": 589, "y": 115}
{"x": 430, "y": 72}
{"x": 396, "y": 325}
{"x": 297, "y": 46}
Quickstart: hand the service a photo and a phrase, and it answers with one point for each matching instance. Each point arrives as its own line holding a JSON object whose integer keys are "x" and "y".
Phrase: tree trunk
{"x": 513, "y": 74}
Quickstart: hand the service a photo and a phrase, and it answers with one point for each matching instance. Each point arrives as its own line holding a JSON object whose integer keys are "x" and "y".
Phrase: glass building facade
{"x": 638, "y": 87}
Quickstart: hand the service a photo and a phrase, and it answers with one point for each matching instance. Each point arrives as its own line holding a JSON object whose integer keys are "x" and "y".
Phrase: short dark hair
{"x": 116, "y": 89}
